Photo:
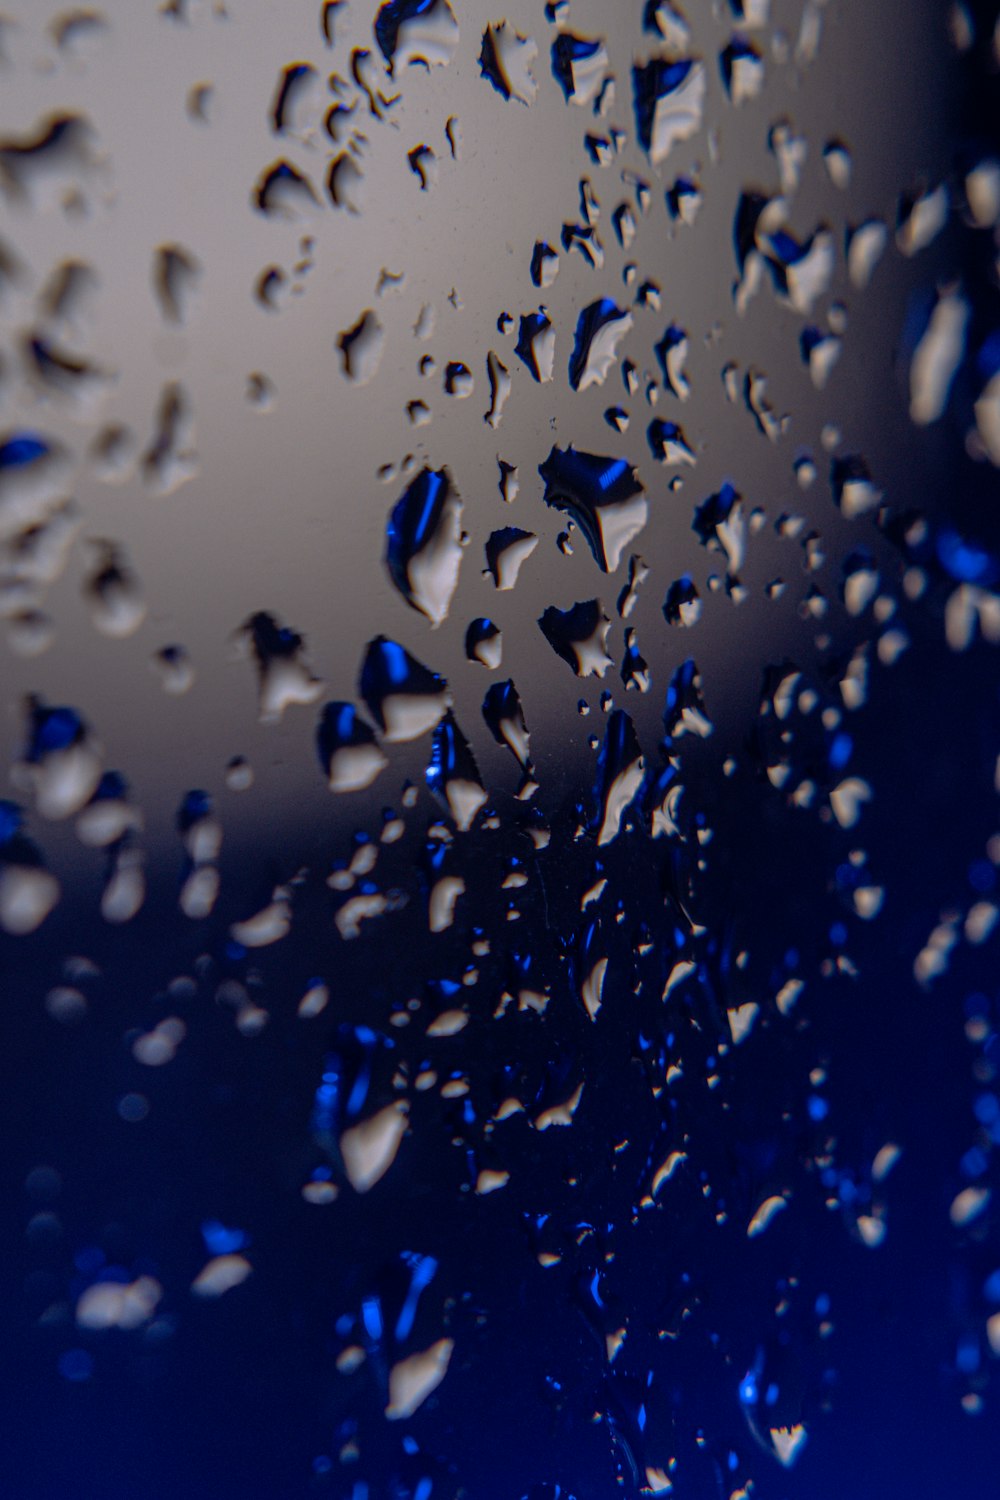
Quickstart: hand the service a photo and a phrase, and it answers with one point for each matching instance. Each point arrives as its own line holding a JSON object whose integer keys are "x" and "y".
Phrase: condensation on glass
{"x": 484, "y": 583}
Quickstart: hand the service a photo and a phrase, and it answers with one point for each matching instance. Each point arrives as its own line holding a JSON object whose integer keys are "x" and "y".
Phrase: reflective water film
{"x": 499, "y": 611}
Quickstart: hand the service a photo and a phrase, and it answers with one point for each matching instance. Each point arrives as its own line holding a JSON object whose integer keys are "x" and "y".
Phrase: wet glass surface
{"x": 499, "y": 598}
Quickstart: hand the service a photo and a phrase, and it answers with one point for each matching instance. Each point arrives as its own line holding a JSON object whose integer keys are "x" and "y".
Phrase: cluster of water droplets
{"x": 535, "y": 922}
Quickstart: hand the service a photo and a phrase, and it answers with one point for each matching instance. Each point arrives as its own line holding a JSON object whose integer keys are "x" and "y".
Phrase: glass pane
{"x": 498, "y": 563}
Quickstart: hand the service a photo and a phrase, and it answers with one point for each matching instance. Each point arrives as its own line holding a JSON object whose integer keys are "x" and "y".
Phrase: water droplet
{"x": 536, "y": 345}
{"x": 921, "y": 216}
{"x": 78, "y": 31}
{"x": 405, "y": 698}
{"x": 599, "y": 333}
{"x": 345, "y": 183}
{"x": 865, "y": 247}
{"x": 505, "y": 59}
{"x": 114, "y": 594}
{"x": 171, "y": 460}
{"x": 199, "y": 102}
{"x": 684, "y": 200}
{"x": 264, "y": 927}
{"x": 272, "y": 288}
{"x": 584, "y": 239}
{"x": 853, "y": 489}
{"x": 109, "y": 815}
{"x": 504, "y": 716}
{"x": 742, "y": 70}
{"x": 579, "y": 635}
{"x": 821, "y": 351}
{"x": 668, "y": 444}
{"x": 837, "y": 160}
{"x": 424, "y": 544}
{"x": 63, "y": 763}
{"x": 509, "y": 484}
{"x": 221, "y": 1274}
{"x": 52, "y": 164}
{"x": 937, "y": 357}
{"x": 620, "y": 772}
{"x": 685, "y": 711}
{"x": 283, "y": 675}
{"x": 604, "y": 497}
{"x": 413, "y": 1379}
{"x": 411, "y": 32}
{"x": 370, "y": 1148}
{"x": 239, "y": 774}
{"x": 507, "y": 550}
{"x": 175, "y": 277}
{"x": 296, "y": 100}
{"x": 28, "y": 892}
{"x": 283, "y": 192}
{"x": 579, "y": 66}
{"x": 458, "y": 381}
{"x": 682, "y": 605}
{"x": 348, "y": 751}
{"x": 669, "y": 99}
{"x": 423, "y": 165}
{"x": 635, "y": 669}
{"x": 500, "y": 386}
{"x": 544, "y": 264}
{"x": 665, "y": 20}
{"x": 720, "y": 523}
{"x": 483, "y": 643}
{"x": 361, "y": 348}
{"x": 791, "y": 151}
{"x": 637, "y": 575}
{"x": 124, "y": 890}
{"x": 452, "y": 774}
{"x": 801, "y": 272}
{"x": 672, "y": 351}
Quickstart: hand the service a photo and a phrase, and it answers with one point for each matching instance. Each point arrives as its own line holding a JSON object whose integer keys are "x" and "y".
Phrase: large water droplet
{"x": 536, "y": 345}
{"x": 504, "y": 715}
{"x": 669, "y": 98}
{"x": 283, "y": 674}
{"x": 505, "y": 59}
{"x": 507, "y": 550}
{"x": 348, "y": 751}
{"x": 453, "y": 775}
{"x": 405, "y": 698}
{"x": 579, "y": 635}
{"x": 416, "y": 32}
{"x": 483, "y": 643}
{"x": 620, "y": 773}
{"x": 424, "y": 543}
{"x": 361, "y": 348}
{"x": 599, "y": 332}
{"x": 604, "y": 497}
{"x": 579, "y": 66}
